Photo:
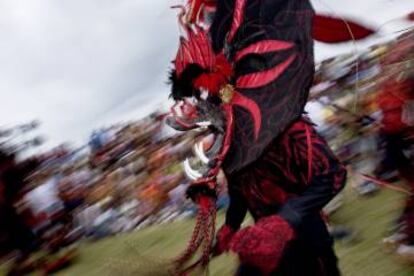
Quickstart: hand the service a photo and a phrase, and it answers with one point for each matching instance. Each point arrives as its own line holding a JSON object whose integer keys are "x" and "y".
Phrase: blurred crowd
{"x": 366, "y": 103}
{"x": 129, "y": 175}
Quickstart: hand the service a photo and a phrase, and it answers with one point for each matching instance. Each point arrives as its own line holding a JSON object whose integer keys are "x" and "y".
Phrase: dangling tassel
{"x": 209, "y": 236}
{"x": 205, "y": 198}
{"x": 195, "y": 240}
{"x": 202, "y": 237}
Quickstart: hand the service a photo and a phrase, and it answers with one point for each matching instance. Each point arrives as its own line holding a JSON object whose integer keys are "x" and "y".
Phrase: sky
{"x": 77, "y": 65}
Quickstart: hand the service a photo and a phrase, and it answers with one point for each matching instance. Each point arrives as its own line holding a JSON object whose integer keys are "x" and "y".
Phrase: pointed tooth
{"x": 193, "y": 174}
{"x": 188, "y": 173}
{"x": 199, "y": 151}
{"x": 204, "y": 123}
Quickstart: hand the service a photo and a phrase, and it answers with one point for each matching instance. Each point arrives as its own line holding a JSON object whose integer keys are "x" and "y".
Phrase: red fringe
{"x": 202, "y": 238}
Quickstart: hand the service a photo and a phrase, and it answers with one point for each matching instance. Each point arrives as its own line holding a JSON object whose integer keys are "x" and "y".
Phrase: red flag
{"x": 329, "y": 29}
{"x": 410, "y": 16}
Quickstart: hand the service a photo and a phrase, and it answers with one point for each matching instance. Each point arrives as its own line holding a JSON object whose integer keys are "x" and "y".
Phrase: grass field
{"x": 146, "y": 250}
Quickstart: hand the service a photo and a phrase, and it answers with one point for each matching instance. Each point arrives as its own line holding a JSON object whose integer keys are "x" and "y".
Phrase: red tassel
{"x": 201, "y": 239}
{"x": 335, "y": 30}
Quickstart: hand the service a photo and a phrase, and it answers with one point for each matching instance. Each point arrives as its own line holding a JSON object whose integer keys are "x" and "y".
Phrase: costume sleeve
{"x": 237, "y": 209}
{"x": 326, "y": 178}
{"x": 221, "y": 23}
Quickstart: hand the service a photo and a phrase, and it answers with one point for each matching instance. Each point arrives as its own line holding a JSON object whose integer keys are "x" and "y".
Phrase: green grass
{"x": 372, "y": 218}
{"x": 149, "y": 249}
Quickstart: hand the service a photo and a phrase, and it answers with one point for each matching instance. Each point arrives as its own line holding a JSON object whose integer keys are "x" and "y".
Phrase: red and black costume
{"x": 291, "y": 182}
{"x": 396, "y": 101}
{"x": 256, "y": 67}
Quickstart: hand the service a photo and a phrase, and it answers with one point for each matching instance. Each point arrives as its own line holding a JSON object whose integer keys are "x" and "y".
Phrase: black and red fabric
{"x": 270, "y": 45}
{"x": 297, "y": 163}
{"x": 263, "y": 244}
{"x": 277, "y": 166}
{"x": 295, "y": 177}
{"x": 197, "y": 67}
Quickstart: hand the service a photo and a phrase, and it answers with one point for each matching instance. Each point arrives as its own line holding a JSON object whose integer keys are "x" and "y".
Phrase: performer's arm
{"x": 327, "y": 179}
{"x": 234, "y": 217}
{"x": 272, "y": 234}
{"x": 320, "y": 191}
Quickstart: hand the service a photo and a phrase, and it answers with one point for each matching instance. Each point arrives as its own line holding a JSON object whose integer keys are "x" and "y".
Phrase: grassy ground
{"x": 146, "y": 250}
{"x": 371, "y": 218}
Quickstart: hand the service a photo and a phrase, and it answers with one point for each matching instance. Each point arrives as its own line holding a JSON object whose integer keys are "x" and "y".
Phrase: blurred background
{"x": 91, "y": 180}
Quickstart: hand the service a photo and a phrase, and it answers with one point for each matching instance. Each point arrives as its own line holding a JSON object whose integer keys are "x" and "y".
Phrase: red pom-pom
{"x": 223, "y": 239}
{"x": 263, "y": 244}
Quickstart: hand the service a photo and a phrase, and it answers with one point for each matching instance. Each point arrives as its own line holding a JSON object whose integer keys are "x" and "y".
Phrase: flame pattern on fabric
{"x": 272, "y": 54}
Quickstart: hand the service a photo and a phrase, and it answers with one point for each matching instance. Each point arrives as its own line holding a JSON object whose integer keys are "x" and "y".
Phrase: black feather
{"x": 182, "y": 86}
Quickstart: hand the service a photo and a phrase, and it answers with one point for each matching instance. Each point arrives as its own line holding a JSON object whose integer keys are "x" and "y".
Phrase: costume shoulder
{"x": 270, "y": 45}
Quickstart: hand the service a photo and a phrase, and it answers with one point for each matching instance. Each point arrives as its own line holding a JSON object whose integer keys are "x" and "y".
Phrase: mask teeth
{"x": 199, "y": 152}
{"x": 190, "y": 172}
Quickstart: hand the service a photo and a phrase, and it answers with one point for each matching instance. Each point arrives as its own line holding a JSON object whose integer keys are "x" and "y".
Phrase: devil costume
{"x": 245, "y": 77}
